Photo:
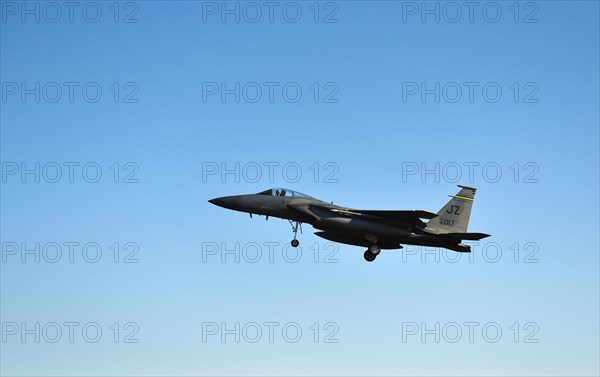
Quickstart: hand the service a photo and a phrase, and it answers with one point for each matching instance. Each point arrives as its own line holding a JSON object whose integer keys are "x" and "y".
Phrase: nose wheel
{"x": 372, "y": 253}
{"x": 295, "y": 226}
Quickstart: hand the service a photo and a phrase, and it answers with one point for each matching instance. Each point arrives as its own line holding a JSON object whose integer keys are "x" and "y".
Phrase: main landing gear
{"x": 372, "y": 253}
{"x": 295, "y": 226}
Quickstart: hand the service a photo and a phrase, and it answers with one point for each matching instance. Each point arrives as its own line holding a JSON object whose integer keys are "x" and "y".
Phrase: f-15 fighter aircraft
{"x": 374, "y": 229}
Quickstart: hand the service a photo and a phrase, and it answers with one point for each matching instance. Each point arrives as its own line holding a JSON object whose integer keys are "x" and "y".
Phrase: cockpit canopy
{"x": 284, "y": 192}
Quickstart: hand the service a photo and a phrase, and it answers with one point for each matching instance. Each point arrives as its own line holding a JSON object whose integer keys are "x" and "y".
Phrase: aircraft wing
{"x": 401, "y": 218}
{"x": 398, "y": 217}
{"x": 312, "y": 210}
{"x": 401, "y": 214}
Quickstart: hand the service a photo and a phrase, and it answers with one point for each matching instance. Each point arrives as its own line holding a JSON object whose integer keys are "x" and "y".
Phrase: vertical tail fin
{"x": 454, "y": 216}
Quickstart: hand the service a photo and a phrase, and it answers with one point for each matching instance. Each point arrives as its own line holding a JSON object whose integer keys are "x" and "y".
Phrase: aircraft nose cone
{"x": 229, "y": 202}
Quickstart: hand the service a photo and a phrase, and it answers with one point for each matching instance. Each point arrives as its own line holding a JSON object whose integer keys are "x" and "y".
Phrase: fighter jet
{"x": 375, "y": 229}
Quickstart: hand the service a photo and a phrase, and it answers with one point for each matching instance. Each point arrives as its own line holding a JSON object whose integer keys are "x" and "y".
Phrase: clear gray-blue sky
{"x": 120, "y": 120}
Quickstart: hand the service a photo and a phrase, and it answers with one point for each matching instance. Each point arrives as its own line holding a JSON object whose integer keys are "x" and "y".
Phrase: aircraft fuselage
{"x": 374, "y": 229}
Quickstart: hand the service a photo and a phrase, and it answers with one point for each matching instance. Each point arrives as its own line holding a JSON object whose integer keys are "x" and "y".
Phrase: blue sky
{"x": 118, "y": 126}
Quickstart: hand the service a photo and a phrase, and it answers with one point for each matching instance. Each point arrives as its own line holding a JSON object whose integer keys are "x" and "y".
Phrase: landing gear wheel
{"x": 295, "y": 243}
{"x": 369, "y": 256}
{"x": 374, "y": 249}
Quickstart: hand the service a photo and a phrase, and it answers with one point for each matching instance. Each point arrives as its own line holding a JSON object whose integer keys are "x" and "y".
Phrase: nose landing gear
{"x": 295, "y": 226}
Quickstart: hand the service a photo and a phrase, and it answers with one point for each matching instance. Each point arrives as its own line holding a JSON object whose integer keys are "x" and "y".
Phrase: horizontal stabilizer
{"x": 466, "y": 236}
